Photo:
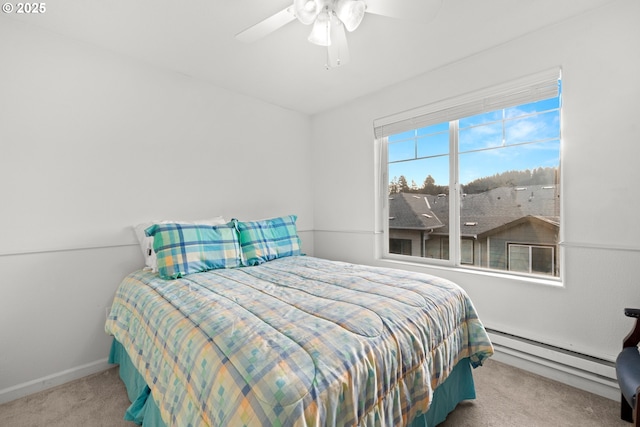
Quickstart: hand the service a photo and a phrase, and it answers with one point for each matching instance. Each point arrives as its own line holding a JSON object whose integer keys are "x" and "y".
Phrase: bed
{"x": 293, "y": 340}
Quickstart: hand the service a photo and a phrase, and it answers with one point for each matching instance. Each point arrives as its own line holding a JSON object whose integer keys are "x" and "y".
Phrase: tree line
{"x": 513, "y": 178}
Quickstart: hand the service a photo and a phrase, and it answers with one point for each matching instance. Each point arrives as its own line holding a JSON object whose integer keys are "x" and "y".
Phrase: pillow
{"x": 146, "y": 242}
{"x": 183, "y": 249}
{"x": 268, "y": 239}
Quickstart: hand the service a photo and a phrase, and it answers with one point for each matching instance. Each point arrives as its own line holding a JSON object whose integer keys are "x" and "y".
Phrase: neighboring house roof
{"x": 479, "y": 213}
{"x": 542, "y": 221}
{"x": 412, "y": 212}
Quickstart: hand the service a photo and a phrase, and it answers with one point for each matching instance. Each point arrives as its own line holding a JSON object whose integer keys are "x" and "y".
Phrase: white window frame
{"x": 528, "y": 89}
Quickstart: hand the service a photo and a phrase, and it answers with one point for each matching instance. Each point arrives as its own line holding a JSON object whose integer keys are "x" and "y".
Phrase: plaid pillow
{"x": 268, "y": 239}
{"x": 183, "y": 249}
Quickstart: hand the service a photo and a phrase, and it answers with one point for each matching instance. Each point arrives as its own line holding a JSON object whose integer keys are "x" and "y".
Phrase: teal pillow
{"x": 183, "y": 249}
{"x": 268, "y": 239}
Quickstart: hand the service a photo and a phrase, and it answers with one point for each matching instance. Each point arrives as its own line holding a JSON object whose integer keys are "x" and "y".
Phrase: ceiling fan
{"x": 330, "y": 19}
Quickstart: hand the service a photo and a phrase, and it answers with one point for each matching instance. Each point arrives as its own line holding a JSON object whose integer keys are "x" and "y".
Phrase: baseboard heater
{"x": 578, "y": 370}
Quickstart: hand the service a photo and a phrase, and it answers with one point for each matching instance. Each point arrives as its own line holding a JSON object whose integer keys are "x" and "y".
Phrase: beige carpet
{"x": 507, "y": 397}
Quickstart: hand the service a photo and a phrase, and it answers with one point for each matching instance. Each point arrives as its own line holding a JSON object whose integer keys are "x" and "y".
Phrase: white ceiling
{"x": 196, "y": 38}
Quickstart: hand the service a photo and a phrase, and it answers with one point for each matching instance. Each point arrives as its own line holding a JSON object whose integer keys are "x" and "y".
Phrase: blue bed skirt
{"x": 143, "y": 411}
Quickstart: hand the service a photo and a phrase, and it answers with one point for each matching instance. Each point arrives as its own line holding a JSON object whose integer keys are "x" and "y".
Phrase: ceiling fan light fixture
{"x": 332, "y": 18}
{"x": 306, "y": 11}
{"x": 350, "y": 12}
{"x": 320, "y": 33}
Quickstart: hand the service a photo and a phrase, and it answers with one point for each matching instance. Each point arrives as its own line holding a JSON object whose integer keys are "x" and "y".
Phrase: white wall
{"x": 598, "y": 53}
{"x": 91, "y": 143}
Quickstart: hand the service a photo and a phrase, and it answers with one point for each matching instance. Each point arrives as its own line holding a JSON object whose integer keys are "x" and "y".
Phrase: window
{"x": 466, "y": 251}
{"x": 400, "y": 246}
{"x": 476, "y": 180}
{"x": 531, "y": 259}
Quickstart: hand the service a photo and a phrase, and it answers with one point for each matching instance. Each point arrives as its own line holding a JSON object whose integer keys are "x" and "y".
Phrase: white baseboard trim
{"x": 50, "y": 381}
{"x": 577, "y": 370}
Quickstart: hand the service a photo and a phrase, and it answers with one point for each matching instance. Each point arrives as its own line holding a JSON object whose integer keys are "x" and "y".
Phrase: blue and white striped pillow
{"x": 183, "y": 249}
{"x": 268, "y": 239}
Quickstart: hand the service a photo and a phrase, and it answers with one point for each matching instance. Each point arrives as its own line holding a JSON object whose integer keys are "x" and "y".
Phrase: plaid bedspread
{"x": 297, "y": 341}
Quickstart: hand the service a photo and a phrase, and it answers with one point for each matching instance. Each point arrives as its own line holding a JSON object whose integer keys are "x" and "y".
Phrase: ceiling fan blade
{"x": 338, "y": 50}
{"x": 417, "y": 10}
{"x": 267, "y": 26}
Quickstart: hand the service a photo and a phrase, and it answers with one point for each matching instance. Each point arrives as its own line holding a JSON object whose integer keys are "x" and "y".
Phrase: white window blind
{"x": 532, "y": 88}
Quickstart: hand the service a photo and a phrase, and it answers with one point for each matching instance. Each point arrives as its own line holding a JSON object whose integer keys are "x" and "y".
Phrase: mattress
{"x": 295, "y": 341}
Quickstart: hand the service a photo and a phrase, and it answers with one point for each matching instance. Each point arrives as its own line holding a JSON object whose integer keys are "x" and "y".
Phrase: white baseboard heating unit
{"x": 585, "y": 372}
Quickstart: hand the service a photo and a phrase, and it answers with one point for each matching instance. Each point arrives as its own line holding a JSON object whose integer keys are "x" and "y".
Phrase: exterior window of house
{"x": 475, "y": 181}
{"x": 466, "y": 251}
{"x": 531, "y": 259}
{"x": 400, "y": 246}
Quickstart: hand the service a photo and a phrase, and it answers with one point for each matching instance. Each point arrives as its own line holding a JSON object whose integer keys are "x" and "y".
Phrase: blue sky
{"x": 519, "y": 138}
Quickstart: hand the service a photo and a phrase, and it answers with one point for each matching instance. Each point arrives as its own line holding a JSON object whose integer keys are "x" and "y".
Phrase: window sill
{"x": 401, "y": 262}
